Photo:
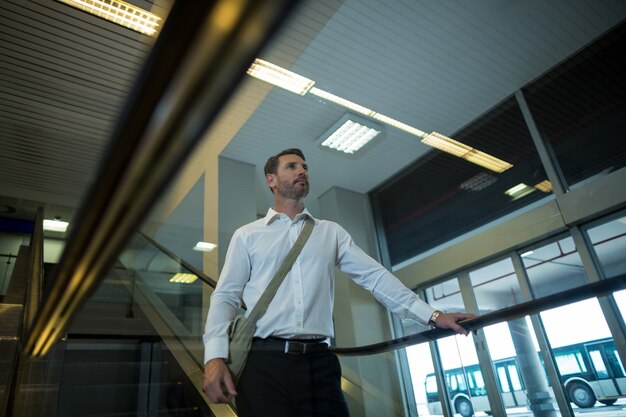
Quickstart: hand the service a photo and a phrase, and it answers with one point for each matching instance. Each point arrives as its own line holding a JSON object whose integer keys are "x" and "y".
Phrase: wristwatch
{"x": 432, "y": 322}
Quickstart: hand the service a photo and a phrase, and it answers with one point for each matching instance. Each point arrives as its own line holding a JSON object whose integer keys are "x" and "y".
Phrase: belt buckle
{"x": 289, "y": 344}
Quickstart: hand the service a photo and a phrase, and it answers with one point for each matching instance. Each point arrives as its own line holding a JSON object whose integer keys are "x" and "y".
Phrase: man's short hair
{"x": 272, "y": 162}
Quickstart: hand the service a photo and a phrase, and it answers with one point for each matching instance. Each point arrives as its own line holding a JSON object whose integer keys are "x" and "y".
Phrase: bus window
{"x": 504, "y": 382}
{"x": 615, "y": 362}
{"x": 514, "y": 375}
{"x": 479, "y": 381}
{"x": 453, "y": 384}
{"x": 431, "y": 384}
{"x": 461, "y": 381}
{"x": 598, "y": 364}
{"x": 570, "y": 363}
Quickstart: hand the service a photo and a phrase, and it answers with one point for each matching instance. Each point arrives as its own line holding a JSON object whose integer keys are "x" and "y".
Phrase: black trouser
{"x": 278, "y": 384}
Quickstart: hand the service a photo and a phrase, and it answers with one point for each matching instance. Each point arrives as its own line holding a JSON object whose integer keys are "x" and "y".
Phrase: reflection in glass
{"x": 7, "y": 262}
{"x": 464, "y": 196}
{"x": 554, "y": 268}
{"x": 154, "y": 270}
{"x": 577, "y": 111}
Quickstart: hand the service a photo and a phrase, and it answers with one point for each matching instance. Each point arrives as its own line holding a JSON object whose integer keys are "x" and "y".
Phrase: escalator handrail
{"x": 596, "y": 289}
{"x": 34, "y": 290}
{"x": 193, "y": 69}
{"x": 209, "y": 281}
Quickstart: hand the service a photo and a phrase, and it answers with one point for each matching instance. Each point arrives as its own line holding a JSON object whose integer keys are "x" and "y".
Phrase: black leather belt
{"x": 292, "y": 346}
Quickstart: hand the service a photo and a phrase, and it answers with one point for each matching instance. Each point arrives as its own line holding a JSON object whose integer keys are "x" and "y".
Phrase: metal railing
{"x": 596, "y": 289}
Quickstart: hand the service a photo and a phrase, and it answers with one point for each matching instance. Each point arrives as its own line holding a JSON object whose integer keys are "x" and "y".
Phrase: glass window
{"x": 431, "y": 384}
{"x": 515, "y": 381}
{"x": 477, "y": 383}
{"x": 504, "y": 382}
{"x": 609, "y": 243}
{"x": 575, "y": 111}
{"x": 554, "y": 267}
{"x": 441, "y": 196}
{"x": 458, "y": 353}
{"x": 570, "y": 363}
{"x": 598, "y": 364}
{"x": 615, "y": 362}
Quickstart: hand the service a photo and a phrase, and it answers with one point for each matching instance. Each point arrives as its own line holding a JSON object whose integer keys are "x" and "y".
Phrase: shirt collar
{"x": 273, "y": 215}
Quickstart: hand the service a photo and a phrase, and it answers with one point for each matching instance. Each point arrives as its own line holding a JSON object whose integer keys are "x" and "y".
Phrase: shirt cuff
{"x": 216, "y": 347}
{"x": 422, "y": 311}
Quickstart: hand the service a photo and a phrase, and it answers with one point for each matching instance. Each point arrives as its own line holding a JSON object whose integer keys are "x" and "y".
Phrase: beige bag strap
{"x": 267, "y": 296}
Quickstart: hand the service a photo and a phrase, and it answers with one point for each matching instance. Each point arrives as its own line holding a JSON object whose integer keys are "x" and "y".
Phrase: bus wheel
{"x": 581, "y": 395}
{"x": 608, "y": 402}
{"x": 464, "y": 407}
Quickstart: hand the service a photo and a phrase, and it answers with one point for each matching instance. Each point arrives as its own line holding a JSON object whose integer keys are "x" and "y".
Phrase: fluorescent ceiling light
{"x": 366, "y": 112}
{"x": 55, "y": 225}
{"x": 280, "y": 77}
{"x": 399, "y": 125}
{"x": 350, "y": 133}
{"x": 545, "y": 186}
{"x": 184, "y": 278}
{"x": 342, "y": 102}
{"x": 293, "y": 82}
{"x": 120, "y": 12}
{"x": 528, "y": 253}
{"x": 456, "y": 148}
{"x": 204, "y": 246}
{"x": 519, "y": 191}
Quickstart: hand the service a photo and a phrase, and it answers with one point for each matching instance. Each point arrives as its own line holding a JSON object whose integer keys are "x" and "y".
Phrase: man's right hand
{"x": 218, "y": 382}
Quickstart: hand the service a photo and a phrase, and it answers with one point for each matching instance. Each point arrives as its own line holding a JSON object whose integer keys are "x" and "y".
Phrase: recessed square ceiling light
{"x": 120, "y": 12}
{"x": 280, "y": 77}
{"x": 350, "y": 133}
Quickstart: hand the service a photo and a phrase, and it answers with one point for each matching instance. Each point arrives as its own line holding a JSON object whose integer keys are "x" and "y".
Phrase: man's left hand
{"x": 450, "y": 321}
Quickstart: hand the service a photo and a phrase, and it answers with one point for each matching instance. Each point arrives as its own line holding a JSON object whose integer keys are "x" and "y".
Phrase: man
{"x": 307, "y": 382}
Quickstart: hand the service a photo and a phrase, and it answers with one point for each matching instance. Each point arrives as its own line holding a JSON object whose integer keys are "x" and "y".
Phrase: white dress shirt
{"x": 303, "y": 305}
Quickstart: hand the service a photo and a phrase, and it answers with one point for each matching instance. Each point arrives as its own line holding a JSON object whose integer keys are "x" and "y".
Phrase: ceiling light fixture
{"x": 456, "y": 148}
{"x": 182, "y": 278}
{"x": 399, "y": 125}
{"x": 545, "y": 186}
{"x": 55, "y": 225}
{"x": 528, "y": 253}
{"x": 519, "y": 191}
{"x": 293, "y": 82}
{"x": 204, "y": 246}
{"x": 122, "y": 13}
{"x": 280, "y": 77}
{"x": 350, "y": 133}
{"x": 342, "y": 102}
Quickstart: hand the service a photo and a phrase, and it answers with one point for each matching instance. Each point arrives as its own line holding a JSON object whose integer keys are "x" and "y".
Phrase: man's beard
{"x": 292, "y": 191}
